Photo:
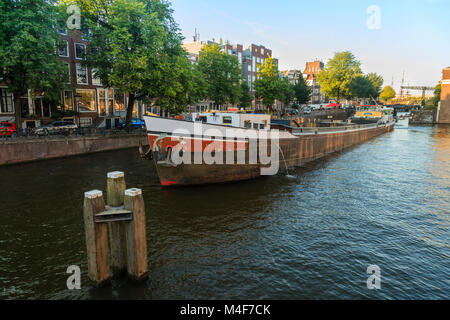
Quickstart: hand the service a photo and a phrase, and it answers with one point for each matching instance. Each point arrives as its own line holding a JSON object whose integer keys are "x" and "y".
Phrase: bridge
{"x": 418, "y": 88}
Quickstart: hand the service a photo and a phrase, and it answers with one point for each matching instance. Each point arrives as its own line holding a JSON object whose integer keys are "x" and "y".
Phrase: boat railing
{"x": 322, "y": 130}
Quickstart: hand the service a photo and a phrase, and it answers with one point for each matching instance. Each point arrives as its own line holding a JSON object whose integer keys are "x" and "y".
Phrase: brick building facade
{"x": 444, "y": 110}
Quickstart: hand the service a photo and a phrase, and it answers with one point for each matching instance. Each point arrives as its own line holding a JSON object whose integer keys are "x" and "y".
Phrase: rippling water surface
{"x": 308, "y": 236}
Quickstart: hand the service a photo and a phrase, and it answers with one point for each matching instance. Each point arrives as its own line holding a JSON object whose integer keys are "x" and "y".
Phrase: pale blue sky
{"x": 414, "y": 35}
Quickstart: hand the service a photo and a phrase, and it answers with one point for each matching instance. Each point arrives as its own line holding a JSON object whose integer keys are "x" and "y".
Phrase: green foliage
{"x": 222, "y": 74}
{"x": 377, "y": 83}
{"x": 246, "y": 98}
{"x": 268, "y": 86}
{"x": 387, "y": 94}
{"x": 28, "y": 46}
{"x": 361, "y": 87}
{"x": 135, "y": 47}
{"x": 339, "y": 72}
{"x": 302, "y": 91}
{"x": 287, "y": 93}
{"x": 437, "y": 95}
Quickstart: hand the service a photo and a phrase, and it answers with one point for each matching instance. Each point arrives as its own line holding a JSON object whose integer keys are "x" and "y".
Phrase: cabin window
{"x": 227, "y": 120}
{"x": 255, "y": 126}
{"x": 247, "y": 124}
{"x": 262, "y": 126}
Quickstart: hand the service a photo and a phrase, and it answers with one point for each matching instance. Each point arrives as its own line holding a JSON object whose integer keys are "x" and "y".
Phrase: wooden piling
{"x": 122, "y": 225}
{"x": 115, "y": 197}
{"x": 137, "y": 263}
{"x": 96, "y": 238}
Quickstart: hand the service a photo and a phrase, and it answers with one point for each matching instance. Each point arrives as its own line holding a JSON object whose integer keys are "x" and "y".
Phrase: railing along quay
{"x": 78, "y": 133}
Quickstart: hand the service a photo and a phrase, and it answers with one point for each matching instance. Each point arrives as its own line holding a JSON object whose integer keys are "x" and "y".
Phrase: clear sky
{"x": 412, "y": 35}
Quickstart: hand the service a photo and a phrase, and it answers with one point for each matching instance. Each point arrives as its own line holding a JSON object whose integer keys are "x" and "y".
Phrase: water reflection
{"x": 307, "y": 237}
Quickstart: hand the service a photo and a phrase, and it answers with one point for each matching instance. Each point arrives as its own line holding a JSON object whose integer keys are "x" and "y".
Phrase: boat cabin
{"x": 235, "y": 119}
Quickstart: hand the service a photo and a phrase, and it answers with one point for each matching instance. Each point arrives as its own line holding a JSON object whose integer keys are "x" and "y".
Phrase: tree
{"x": 437, "y": 95}
{"x": 222, "y": 74}
{"x": 339, "y": 72}
{"x": 387, "y": 94}
{"x": 302, "y": 91}
{"x": 246, "y": 98}
{"x": 268, "y": 85}
{"x": 135, "y": 47}
{"x": 287, "y": 93}
{"x": 377, "y": 82}
{"x": 28, "y": 50}
{"x": 361, "y": 87}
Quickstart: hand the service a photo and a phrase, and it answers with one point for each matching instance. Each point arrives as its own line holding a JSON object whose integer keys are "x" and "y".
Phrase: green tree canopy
{"x": 339, "y": 72}
{"x": 377, "y": 83}
{"x": 302, "y": 91}
{"x": 222, "y": 74}
{"x": 246, "y": 98}
{"x": 28, "y": 46}
{"x": 268, "y": 86}
{"x": 361, "y": 87}
{"x": 135, "y": 47}
{"x": 387, "y": 94}
{"x": 287, "y": 93}
{"x": 437, "y": 95}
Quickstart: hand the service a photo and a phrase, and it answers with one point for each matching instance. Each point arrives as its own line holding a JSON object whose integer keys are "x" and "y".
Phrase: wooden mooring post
{"x": 115, "y": 232}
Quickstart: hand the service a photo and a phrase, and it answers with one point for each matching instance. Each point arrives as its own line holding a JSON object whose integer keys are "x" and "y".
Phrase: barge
{"x": 194, "y": 153}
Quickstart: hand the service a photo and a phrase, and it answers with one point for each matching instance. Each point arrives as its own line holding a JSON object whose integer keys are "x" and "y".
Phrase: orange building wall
{"x": 444, "y": 113}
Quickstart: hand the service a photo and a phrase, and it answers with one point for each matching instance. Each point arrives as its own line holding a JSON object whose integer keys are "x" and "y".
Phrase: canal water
{"x": 311, "y": 235}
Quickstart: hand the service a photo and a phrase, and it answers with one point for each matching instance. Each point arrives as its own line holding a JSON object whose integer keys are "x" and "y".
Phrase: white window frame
{"x": 95, "y": 101}
{"x": 75, "y": 50}
{"x": 12, "y": 102}
{"x": 95, "y": 81}
{"x": 67, "y": 49}
{"x": 78, "y": 79}
{"x": 90, "y": 122}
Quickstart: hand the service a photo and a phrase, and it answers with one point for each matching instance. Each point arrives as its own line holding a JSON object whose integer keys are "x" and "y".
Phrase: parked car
{"x": 306, "y": 111}
{"x": 7, "y": 129}
{"x": 58, "y": 127}
{"x": 136, "y": 123}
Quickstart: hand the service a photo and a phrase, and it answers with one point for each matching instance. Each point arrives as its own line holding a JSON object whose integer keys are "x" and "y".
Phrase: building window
{"x": 68, "y": 100}
{"x": 85, "y": 122}
{"x": 85, "y": 100}
{"x": 227, "y": 120}
{"x": 119, "y": 102}
{"x": 6, "y": 101}
{"x": 64, "y": 50}
{"x": 68, "y": 73}
{"x": 95, "y": 79}
{"x": 80, "y": 51}
{"x": 82, "y": 74}
{"x": 61, "y": 30}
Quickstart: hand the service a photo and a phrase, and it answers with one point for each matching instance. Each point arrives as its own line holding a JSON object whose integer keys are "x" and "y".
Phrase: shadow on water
{"x": 310, "y": 235}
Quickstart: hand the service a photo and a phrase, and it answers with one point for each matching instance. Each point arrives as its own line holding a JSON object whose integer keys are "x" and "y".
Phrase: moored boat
{"x": 194, "y": 153}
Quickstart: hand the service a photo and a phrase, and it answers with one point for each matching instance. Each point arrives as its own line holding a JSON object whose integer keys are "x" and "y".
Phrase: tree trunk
{"x": 130, "y": 107}
{"x": 18, "y": 112}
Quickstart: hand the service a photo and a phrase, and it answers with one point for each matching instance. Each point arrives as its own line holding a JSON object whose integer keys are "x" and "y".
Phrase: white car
{"x": 57, "y": 127}
{"x": 306, "y": 111}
